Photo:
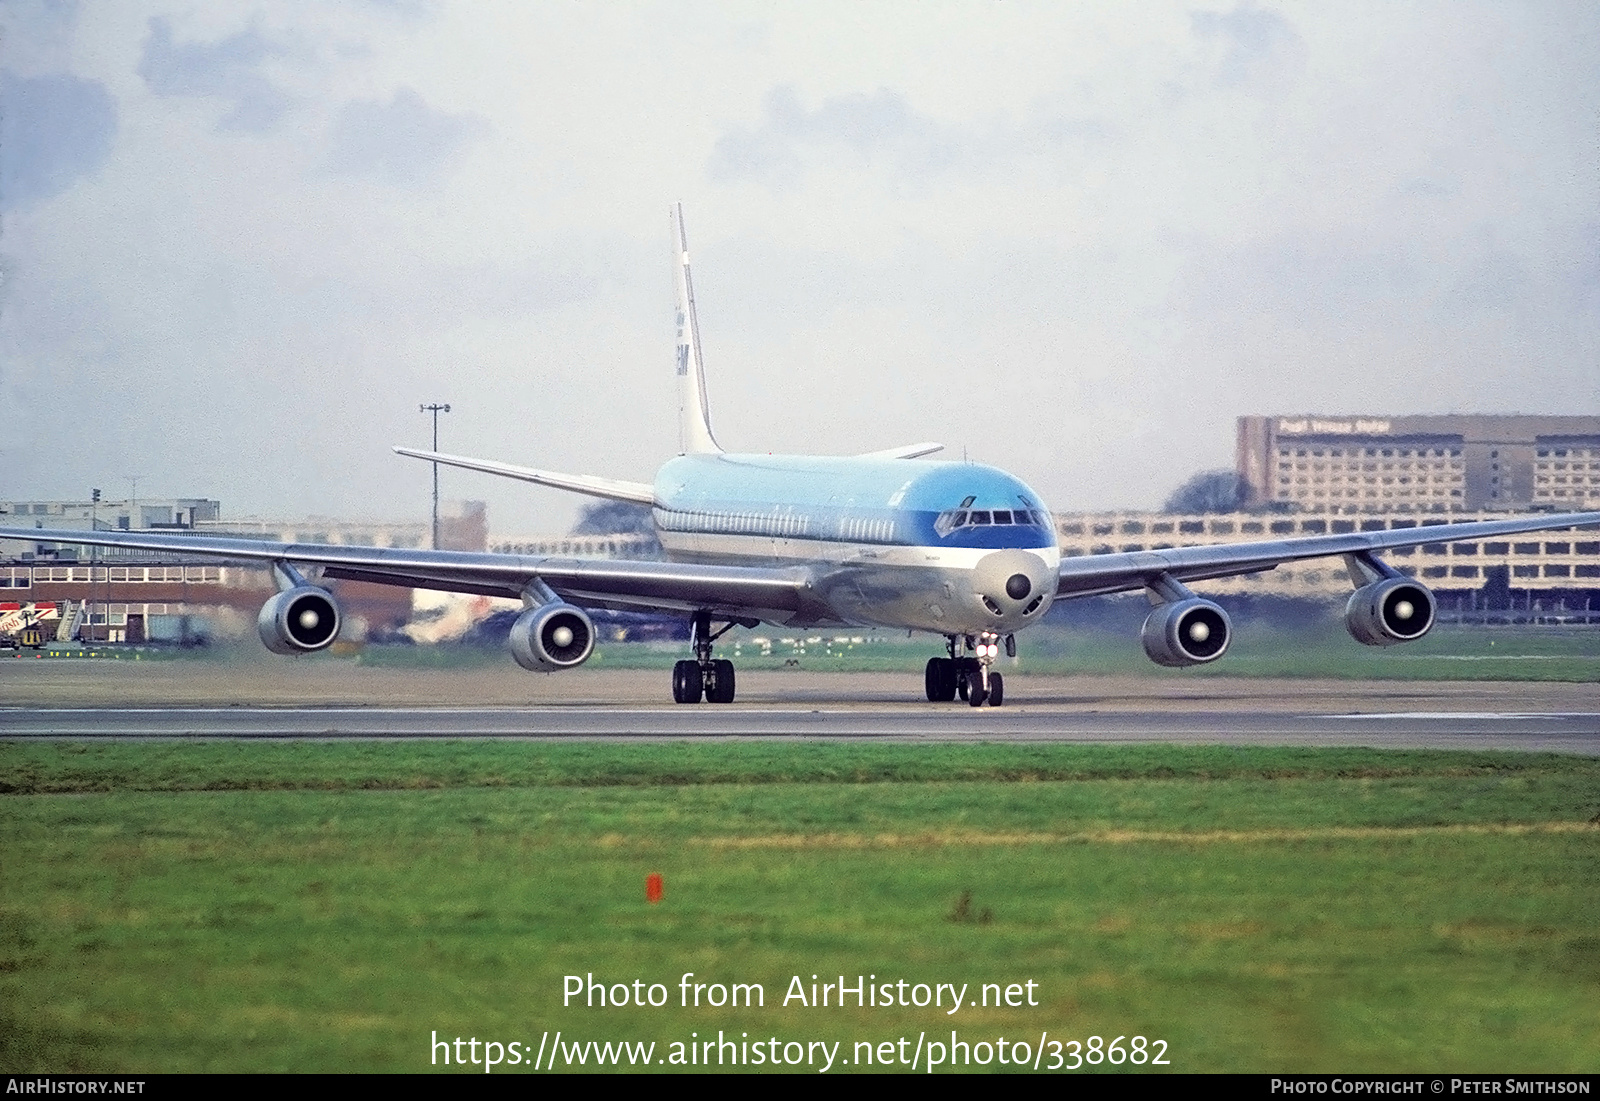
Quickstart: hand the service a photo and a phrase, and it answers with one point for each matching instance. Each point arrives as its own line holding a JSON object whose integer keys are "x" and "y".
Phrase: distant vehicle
{"x": 951, "y": 548}
{"x": 19, "y": 624}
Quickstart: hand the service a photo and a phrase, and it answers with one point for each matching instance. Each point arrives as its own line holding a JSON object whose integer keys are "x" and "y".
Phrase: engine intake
{"x": 554, "y": 636}
{"x": 1186, "y": 632}
{"x": 1389, "y": 612}
{"x": 301, "y": 620}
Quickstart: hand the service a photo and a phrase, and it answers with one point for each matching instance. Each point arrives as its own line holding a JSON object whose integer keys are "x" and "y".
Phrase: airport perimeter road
{"x": 119, "y": 699}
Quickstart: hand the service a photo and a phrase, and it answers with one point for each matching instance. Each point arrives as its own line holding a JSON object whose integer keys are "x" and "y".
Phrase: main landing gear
{"x": 704, "y": 677}
{"x": 969, "y": 677}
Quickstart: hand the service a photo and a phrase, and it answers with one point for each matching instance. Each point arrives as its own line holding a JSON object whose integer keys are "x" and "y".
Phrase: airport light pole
{"x": 94, "y": 559}
{"x": 435, "y": 409}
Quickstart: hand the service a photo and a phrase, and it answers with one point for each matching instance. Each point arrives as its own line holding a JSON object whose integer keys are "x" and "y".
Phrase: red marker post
{"x": 652, "y": 887}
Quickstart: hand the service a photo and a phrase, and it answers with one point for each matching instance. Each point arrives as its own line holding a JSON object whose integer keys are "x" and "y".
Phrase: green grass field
{"x": 328, "y": 906}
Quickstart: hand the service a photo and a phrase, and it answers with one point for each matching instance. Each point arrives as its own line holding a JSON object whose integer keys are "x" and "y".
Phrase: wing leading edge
{"x": 776, "y": 595}
{"x": 1096, "y": 574}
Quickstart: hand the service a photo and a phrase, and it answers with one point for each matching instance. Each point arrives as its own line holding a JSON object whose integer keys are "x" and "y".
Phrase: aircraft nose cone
{"x": 1008, "y": 583}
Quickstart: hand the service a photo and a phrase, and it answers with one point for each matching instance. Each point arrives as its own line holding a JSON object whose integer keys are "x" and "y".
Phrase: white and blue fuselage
{"x": 957, "y": 548}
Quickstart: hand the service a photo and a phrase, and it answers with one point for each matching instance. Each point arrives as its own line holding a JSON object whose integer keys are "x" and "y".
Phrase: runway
{"x": 1552, "y": 731}
{"x": 310, "y": 700}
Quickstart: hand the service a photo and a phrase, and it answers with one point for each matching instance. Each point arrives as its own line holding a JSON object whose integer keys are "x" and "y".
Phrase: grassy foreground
{"x": 302, "y": 906}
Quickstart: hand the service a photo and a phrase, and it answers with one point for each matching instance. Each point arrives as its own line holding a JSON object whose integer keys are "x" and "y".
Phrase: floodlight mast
{"x": 94, "y": 563}
{"x": 435, "y": 409}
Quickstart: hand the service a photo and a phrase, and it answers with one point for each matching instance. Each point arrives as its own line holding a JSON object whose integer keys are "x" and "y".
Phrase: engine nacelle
{"x": 553, "y": 636}
{"x": 1186, "y": 632}
{"x": 301, "y": 620}
{"x": 1389, "y": 612}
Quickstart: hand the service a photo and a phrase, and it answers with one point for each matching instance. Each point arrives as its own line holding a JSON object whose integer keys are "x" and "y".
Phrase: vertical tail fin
{"x": 694, "y": 414}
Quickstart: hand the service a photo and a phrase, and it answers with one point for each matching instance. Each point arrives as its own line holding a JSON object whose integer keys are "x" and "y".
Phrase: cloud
{"x": 1262, "y": 51}
{"x": 227, "y": 69}
{"x": 54, "y": 130}
{"x": 401, "y": 142}
{"x": 38, "y": 33}
{"x": 879, "y": 128}
{"x": 412, "y": 9}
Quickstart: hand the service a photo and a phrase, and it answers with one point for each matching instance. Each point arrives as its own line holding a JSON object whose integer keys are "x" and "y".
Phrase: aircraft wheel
{"x": 997, "y": 689}
{"x": 958, "y": 667}
{"x": 975, "y": 693}
{"x": 720, "y": 688}
{"x": 940, "y": 680}
{"x": 687, "y": 683}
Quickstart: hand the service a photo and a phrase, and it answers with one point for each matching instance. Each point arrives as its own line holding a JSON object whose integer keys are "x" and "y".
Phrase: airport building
{"x": 463, "y": 525}
{"x": 1451, "y": 464}
{"x": 1548, "y": 570}
{"x": 120, "y": 595}
{"x": 162, "y": 514}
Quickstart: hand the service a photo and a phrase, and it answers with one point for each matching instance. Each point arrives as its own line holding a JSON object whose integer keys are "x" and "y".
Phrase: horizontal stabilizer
{"x": 909, "y": 451}
{"x": 639, "y": 493}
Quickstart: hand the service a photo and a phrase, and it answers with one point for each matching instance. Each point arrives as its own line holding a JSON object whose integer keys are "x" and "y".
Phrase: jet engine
{"x": 552, "y": 636}
{"x": 1390, "y": 611}
{"x": 1186, "y": 632}
{"x": 301, "y": 620}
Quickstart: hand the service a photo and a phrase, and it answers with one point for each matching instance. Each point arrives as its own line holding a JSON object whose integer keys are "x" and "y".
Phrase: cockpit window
{"x": 953, "y": 519}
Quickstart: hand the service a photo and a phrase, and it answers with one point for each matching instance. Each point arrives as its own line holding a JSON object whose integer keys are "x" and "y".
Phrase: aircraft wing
{"x": 773, "y": 594}
{"x": 1095, "y": 574}
{"x": 639, "y": 493}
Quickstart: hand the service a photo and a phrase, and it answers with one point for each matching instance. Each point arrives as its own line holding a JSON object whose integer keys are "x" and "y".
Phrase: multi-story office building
{"x": 1375, "y": 464}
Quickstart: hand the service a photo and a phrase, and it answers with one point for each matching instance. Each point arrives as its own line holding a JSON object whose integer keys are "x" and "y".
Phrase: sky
{"x": 241, "y": 243}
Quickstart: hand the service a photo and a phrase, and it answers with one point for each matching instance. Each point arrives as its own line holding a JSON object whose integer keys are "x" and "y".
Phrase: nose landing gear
{"x": 968, "y": 677}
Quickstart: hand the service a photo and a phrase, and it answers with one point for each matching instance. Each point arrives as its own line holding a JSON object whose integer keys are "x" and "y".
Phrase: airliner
{"x": 884, "y": 539}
